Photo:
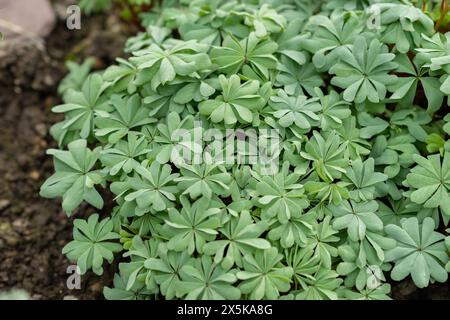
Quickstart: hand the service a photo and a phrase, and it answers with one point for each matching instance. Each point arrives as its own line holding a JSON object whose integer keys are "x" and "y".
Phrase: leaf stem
{"x": 444, "y": 9}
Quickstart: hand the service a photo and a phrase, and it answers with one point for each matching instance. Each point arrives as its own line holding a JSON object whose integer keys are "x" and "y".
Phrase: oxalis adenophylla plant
{"x": 263, "y": 150}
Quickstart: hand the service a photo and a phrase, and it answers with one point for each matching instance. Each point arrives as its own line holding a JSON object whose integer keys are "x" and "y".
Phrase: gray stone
{"x": 26, "y": 18}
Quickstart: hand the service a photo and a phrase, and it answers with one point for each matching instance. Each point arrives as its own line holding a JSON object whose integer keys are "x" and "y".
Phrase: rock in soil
{"x": 4, "y": 203}
{"x": 25, "y": 18}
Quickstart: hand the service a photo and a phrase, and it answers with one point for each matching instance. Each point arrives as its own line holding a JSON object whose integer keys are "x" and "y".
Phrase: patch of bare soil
{"x": 34, "y": 230}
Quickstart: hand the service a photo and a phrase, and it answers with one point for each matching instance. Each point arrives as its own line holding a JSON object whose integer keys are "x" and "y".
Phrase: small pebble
{"x": 20, "y": 225}
{"x": 35, "y": 175}
{"x": 8, "y": 234}
{"x": 4, "y": 203}
{"x": 41, "y": 129}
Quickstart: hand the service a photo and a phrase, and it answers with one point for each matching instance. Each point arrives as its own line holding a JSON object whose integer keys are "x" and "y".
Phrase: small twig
{"x": 424, "y": 5}
{"x": 444, "y": 9}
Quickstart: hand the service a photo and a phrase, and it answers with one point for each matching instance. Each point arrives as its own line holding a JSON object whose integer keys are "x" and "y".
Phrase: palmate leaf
{"x": 143, "y": 224}
{"x": 280, "y": 196}
{"x": 356, "y": 145}
{"x": 265, "y": 20}
{"x": 203, "y": 33}
{"x": 379, "y": 293}
{"x": 327, "y": 192}
{"x": 80, "y": 107}
{"x": 176, "y": 16}
{"x": 432, "y": 181}
{"x": 238, "y": 102}
{"x": 356, "y": 217}
{"x": 351, "y": 267}
{"x": 249, "y": 55}
{"x": 128, "y": 116}
{"x": 403, "y": 24}
{"x": 322, "y": 286}
{"x": 328, "y": 35}
{"x": 191, "y": 228}
{"x": 334, "y": 109}
{"x": 420, "y": 252}
{"x": 205, "y": 280}
{"x": 327, "y": 155}
{"x": 78, "y": 74}
{"x": 394, "y": 153}
{"x": 297, "y": 78}
{"x": 371, "y": 125}
{"x": 304, "y": 264}
{"x": 364, "y": 179}
{"x": 289, "y": 41}
{"x": 124, "y": 154}
{"x": 298, "y": 113}
{"x": 435, "y": 143}
{"x": 161, "y": 102}
{"x": 175, "y": 140}
{"x": 195, "y": 89}
{"x": 361, "y": 263}
{"x": 122, "y": 76}
{"x": 414, "y": 120}
{"x": 435, "y": 54}
{"x": 91, "y": 244}
{"x": 292, "y": 232}
{"x": 119, "y": 292}
{"x": 151, "y": 187}
{"x": 395, "y": 210}
{"x": 264, "y": 276}
{"x": 242, "y": 236}
{"x": 363, "y": 71}
{"x": 215, "y": 20}
{"x": 153, "y": 34}
{"x": 166, "y": 269}
{"x": 322, "y": 240}
{"x": 203, "y": 180}
{"x": 136, "y": 271}
{"x": 75, "y": 177}
{"x": 405, "y": 88}
{"x": 161, "y": 64}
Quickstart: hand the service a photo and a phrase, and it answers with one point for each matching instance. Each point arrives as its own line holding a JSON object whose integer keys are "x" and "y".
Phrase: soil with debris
{"x": 34, "y": 230}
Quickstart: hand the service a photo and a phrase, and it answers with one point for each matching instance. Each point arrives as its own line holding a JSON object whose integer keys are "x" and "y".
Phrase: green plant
{"x": 421, "y": 252}
{"x": 90, "y": 245}
{"x": 263, "y": 150}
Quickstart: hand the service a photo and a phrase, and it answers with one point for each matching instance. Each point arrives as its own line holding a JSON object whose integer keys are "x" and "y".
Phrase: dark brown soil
{"x": 34, "y": 230}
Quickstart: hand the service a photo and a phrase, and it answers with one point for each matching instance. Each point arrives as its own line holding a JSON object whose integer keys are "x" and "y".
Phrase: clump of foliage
{"x": 357, "y": 91}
